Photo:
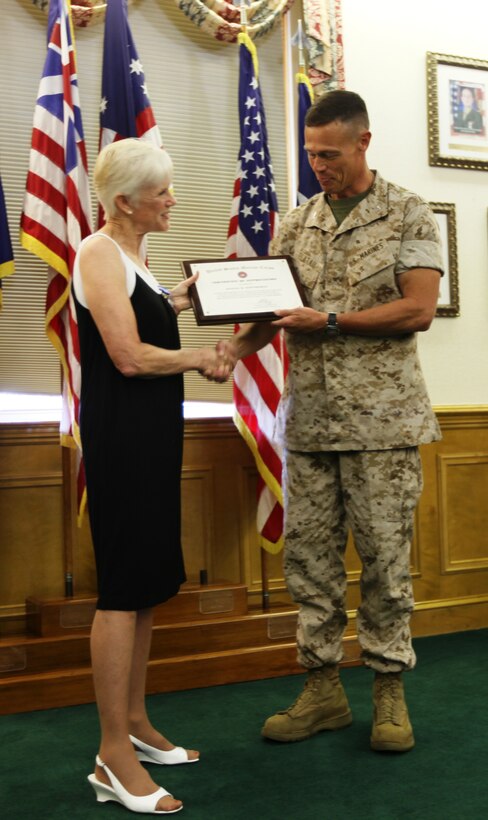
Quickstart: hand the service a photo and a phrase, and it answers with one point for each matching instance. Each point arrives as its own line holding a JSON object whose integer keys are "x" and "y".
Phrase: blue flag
{"x": 6, "y": 253}
{"x": 125, "y": 109}
{"x": 308, "y": 184}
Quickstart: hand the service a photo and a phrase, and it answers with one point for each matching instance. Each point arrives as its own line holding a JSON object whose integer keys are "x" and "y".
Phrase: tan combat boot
{"x": 322, "y": 705}
{"x": 392, "y": 730}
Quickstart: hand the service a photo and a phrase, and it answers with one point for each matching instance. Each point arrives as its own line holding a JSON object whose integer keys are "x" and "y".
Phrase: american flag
{"x": 125, "y": 108}
{"x": 258, "y": 379}
{"x": 6, "y": 254}
{"x": 308, "y": 184}
{"x": 56, "y": 214}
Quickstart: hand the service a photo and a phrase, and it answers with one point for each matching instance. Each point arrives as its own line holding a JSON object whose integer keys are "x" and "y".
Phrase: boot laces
{"x": 389, "y": 700}
{"x": 308, "y": 694}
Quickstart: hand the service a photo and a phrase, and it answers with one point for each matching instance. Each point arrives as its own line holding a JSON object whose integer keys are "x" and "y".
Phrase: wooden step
{"x": 30, "y": 655}
{"x": 62, "y": 616}
{"x": 205, "y": 636}
{"x": 44, "y": 672}
{"x": 233, "y": 634}
{"x": 69, "y": 687}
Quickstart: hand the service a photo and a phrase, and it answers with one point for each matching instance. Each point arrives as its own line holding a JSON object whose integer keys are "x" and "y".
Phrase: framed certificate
{"x": 232, "y": 291}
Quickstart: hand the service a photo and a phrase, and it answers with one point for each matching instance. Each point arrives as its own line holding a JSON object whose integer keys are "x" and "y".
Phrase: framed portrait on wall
{"x": 448, "y": 302}
{"x": 457, "y": 101}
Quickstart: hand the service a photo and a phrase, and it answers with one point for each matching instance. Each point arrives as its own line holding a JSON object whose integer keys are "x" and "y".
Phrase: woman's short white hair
{"x": 127, "y": 167}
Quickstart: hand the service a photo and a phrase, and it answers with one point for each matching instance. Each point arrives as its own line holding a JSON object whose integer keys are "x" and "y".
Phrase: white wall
{"x": 385, "y": 45}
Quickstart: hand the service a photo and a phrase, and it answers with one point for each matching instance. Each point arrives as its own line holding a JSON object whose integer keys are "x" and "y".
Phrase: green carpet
{"x": 45, "y": 756}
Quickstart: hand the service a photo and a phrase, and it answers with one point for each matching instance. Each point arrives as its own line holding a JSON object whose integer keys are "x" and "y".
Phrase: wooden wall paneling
{"x": 84, "y": 571}
{"x": 31, "y": 509}
{"x": 463, "y": 511}
{"x": 197, "y": 530}
{"x": 451, "y": 590}
{"x": 449, "y": 552}
{"x": 250, "y": 571}
{"x": 217, "y": 444}
{"x": 250, "y": 547}
{"x": 31, "y": 560}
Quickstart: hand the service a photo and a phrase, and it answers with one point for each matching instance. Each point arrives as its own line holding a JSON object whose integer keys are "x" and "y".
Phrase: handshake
{"x": 217, "y": 363}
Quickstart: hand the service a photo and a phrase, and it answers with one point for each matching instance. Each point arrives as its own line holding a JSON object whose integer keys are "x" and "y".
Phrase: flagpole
{"x": 243, "y": 14}
{"x": 69, "y": 514}
{"x": 301, "y": 57}
{"x": 289, "y": 89}
{"x": 69, "y": 511}
{"x": 265, "y": 579}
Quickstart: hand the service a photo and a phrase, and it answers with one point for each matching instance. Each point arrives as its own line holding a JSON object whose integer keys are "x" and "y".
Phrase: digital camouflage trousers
{"x": 374, "y": 494}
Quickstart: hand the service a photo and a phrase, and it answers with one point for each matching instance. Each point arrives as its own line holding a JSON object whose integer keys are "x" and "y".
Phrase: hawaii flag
{"x": 6, "y": 254}
{"x": 259, "y": 379}
{"x": 56, "y": 214}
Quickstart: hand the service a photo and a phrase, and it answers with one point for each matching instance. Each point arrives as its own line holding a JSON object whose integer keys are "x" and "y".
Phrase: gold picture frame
{"x": 457, "y": 104}
{"x": 448, "y": 303}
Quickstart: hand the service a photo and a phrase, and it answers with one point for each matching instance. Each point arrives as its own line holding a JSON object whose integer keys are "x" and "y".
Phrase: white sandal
{"x": 145, "y": 804}
{"x": 148, "y": 754}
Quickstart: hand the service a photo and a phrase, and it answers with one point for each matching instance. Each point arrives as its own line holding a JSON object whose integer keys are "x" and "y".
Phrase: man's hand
{"x": 219, "y": 362}
{"x": 228, "y": 350}
{"x": 300, "y": 320}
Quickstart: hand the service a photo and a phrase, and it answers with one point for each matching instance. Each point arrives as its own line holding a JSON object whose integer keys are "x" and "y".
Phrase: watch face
{"x": 332, "y": 328}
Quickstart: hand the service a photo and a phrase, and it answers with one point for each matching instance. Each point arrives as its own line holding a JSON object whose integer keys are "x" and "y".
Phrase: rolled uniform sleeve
{"x": 421, "y": 243}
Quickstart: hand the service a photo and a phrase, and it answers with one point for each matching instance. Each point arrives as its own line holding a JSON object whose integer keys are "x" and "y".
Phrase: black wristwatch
{"x": 332, "y": 328}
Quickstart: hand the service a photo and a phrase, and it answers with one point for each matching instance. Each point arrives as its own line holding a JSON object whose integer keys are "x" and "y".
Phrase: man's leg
{"x": 381, "y": 491}
{"x": 313, "y": 558}
{"x": 315, "y": 539}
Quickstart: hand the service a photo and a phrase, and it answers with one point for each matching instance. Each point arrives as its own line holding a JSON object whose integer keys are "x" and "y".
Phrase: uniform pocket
{"x": 370, "y": 261}
{"x": 309, "y": 273}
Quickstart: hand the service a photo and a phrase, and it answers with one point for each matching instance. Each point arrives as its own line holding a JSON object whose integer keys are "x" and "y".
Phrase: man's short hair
{"x": 345, "y": 106}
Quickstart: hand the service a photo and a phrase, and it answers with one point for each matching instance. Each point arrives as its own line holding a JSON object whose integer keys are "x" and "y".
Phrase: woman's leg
{"x": 139, "y": 723}
{"x": 113, "y": 639}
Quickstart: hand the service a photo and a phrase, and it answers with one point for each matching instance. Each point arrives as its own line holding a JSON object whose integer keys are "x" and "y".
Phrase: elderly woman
{"x": 132, "y": 434}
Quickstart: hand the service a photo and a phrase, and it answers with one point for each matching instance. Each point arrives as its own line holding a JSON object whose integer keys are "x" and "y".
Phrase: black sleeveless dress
{"x": 132, "y": 437}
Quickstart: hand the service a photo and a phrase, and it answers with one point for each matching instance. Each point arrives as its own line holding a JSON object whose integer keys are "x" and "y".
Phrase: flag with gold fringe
{"x": 258, "y": 379}
{"x": 56, "y": 214}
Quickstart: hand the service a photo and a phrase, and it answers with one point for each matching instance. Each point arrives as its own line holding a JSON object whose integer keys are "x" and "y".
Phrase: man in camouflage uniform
{"x": 353, "y": 413}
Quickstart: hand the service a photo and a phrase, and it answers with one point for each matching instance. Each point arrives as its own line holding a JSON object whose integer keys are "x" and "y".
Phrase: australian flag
{"x": 125, "y": 109}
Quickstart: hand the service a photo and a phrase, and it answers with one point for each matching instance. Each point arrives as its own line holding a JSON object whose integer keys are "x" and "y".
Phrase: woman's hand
{"x": 217, "y": 365}
{"x": 179, "y": 295}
